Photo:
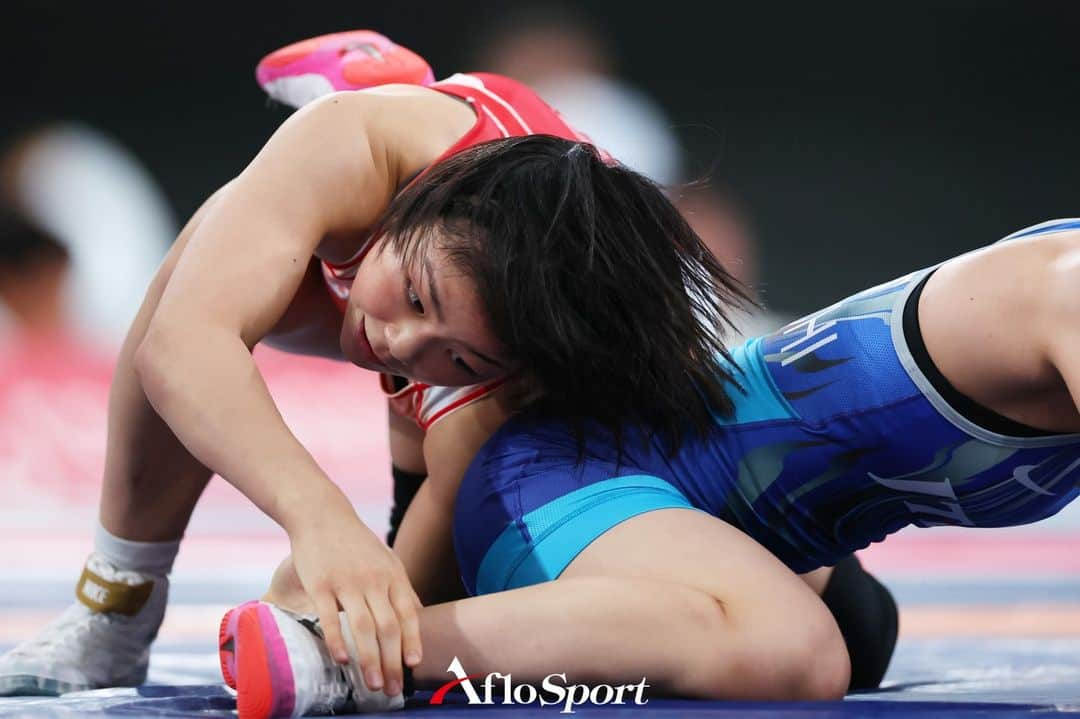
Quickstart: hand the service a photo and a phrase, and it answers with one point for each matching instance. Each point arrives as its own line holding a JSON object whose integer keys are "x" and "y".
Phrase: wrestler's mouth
{"x": 367, "y": 352}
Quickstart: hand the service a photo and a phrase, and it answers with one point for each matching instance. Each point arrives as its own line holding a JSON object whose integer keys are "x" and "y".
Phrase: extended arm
{"x": 328, "y": 170}
{"x": 237, "y": 275}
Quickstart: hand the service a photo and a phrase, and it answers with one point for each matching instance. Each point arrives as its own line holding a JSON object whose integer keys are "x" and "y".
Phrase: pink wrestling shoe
{"x": 280, "y": 666}
{"x": 299, "y": 73}
{"x": 227, "y": 643}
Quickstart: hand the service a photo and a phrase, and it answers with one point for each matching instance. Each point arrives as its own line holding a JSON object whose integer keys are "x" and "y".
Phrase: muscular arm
{"x": 1062, "y": 324}
{"x": 240, "y": 269}
{"x": 329, "y": 170}
{"x": 1000, "y": 324}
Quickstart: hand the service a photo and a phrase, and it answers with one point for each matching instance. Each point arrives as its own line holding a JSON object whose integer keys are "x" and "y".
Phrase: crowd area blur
{"x": 85, "y": 224}
{"x": 779, "y": 181}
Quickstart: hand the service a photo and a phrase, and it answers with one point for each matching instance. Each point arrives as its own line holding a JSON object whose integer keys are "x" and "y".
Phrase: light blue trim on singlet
{"x": 760, "y": 401}
{"x": 1047, "y": 227}
{"x": 541, "y": 544}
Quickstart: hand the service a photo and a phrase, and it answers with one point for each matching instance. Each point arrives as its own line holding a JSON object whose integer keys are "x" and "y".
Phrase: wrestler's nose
{"x": 408, "y": 340}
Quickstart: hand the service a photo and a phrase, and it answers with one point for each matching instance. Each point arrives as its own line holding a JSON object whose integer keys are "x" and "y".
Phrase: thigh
{"x": 312, "y": 323}
{"x": 695, "y": 549}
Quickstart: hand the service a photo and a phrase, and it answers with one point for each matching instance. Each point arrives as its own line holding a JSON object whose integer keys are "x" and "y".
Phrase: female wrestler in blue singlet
{"x": 945, "y": 397}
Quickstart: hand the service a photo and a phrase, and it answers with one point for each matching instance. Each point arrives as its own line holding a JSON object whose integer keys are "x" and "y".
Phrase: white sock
{"x": 148, "y": 557}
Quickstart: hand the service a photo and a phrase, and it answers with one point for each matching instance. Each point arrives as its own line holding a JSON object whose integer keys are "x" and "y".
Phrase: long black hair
{"x": 593, "y": 281}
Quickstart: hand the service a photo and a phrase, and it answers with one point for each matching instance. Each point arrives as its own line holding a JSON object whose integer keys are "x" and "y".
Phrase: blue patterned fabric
{"x": 838, "y": 441}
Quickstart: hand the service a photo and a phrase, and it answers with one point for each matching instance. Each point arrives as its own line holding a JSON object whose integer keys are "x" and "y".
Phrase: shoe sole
{"x": 30, "y": 685}
{"x": 350, "y": 60}
{"x": 227, "y": 644}
{"x": 261, "y": 670}
{"x": 33, "y": 685}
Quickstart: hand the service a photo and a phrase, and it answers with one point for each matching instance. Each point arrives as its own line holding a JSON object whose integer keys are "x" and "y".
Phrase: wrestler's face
{"x": 423, "y": 321}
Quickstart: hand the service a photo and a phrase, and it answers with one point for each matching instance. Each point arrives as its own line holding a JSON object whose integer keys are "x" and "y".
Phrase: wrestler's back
{"x": 840, "y": 436}
{"x": 850, "y": 431}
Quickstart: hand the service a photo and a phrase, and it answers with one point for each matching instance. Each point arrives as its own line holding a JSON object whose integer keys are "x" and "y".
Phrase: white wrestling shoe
{"x": 103, "y": 640}
{"x": 281, "y": 667}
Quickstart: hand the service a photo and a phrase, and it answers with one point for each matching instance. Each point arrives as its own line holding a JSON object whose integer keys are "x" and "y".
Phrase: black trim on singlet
{"x": 968, "y": 408}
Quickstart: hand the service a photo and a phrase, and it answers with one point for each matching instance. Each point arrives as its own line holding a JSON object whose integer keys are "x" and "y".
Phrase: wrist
{"x": 315, "y": 506}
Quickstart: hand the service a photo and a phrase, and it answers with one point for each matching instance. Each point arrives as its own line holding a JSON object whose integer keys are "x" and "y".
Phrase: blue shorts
{"x": 839, "y": 439}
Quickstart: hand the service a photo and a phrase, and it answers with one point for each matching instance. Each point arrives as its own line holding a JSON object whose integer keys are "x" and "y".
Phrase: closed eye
{"x": 469, "y": 370}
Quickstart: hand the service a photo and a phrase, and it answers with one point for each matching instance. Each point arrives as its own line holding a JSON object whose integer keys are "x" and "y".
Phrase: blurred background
{"x": 861, "y": 140}
{"x": 840, "y": 144}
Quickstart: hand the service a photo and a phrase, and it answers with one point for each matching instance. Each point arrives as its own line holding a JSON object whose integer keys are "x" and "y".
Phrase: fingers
{"x": 379, "y": 626}
{"x": 385, "y": 629}
{"x": 327, "y": 608}
{"x": 365, "y": 641}
{"x": 388, "y": 632}
{"x": 406, "y": 604}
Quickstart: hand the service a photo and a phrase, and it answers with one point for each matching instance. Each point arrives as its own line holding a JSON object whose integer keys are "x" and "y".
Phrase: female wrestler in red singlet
{"x": 284, "y": 254}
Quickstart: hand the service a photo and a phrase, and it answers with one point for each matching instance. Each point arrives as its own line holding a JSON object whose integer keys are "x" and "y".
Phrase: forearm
{"x": 595, "y": 630}
{"x": 205, "y": 385}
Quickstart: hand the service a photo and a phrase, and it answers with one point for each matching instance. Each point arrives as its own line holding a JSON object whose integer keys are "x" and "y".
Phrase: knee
{"x": 790, "y": 661}
{"x": 812, "y": 664}
{"x": 824, "y": 671}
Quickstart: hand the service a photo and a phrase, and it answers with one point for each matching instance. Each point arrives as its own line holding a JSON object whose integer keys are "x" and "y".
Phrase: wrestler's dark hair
{"x": 593, "y": 281}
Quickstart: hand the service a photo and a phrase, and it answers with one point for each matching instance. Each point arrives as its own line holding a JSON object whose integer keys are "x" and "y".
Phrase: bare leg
{"x": 619, "y": 629}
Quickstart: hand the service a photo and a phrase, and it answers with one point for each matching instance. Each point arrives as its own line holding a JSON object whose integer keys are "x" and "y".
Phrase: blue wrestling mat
{"x": 976, "y": 640}
{"x": 950, "y": 678}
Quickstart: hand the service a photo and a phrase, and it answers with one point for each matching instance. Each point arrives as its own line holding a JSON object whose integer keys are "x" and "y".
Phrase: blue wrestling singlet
{"x": 838, "y": 440}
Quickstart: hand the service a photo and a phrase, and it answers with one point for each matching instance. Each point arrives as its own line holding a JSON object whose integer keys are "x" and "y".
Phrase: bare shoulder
{"x": 408, "y": 127}
{"x": 1030, "y": 280}
{"x": 375, "y": 139}
{"x": 991, "y": 319}
{"x": 324, "y": 163}
{"x": 421, "y": 123}
{"x": 1063, "y": 275}
{"x": 1061, "y": 298}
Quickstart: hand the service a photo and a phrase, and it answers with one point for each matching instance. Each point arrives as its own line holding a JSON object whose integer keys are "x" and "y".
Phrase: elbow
{"x": 150, "y": 361}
